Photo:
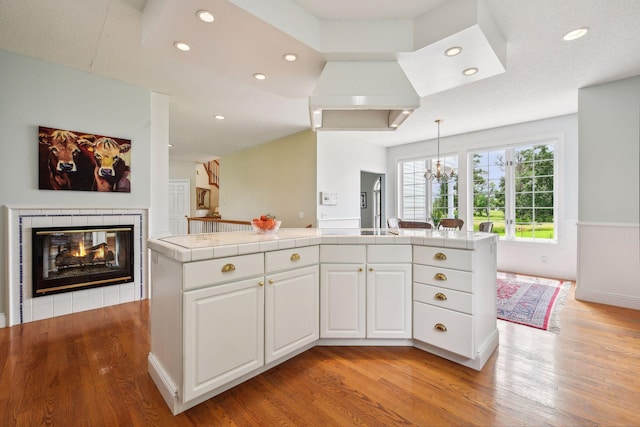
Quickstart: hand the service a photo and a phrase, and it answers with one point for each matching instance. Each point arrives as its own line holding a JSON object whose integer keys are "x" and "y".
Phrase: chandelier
{"x": 440, "y": 174}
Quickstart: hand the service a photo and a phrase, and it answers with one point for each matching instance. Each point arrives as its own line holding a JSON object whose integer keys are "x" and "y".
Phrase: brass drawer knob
{"x": 260, "y": 283}
{"x": 440, "y": 276}
{"x": 360, "y": 269}
{"x": 295, "y": 257}
{"x": 227, "y": 268}
{"x": 271, "y": 281}
{"x": 440, "y": 327}
{"x": 440, "y": 256}
{"x": 440, "y": 296}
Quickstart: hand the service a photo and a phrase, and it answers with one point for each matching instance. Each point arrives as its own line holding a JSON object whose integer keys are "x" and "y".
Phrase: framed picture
{"x": 79, "y": 161}
{"x": 363, "y": 200}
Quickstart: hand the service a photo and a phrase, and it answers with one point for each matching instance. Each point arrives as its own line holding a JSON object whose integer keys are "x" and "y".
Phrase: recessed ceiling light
{"x": 259, "y": 76}
{"x": 470, "y": 71}
{"x": 170, "y": 145}
{"x": 182, "y": 46}
{"x": 575, "y": 34}
{"x": 290, "y": 57}
{"x": 219, "y": 117}
{"x": 205, "y": 16}
{"x": 453, "y": 51}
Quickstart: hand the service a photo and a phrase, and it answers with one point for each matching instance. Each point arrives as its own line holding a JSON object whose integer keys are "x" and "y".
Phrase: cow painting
{"x": 111, "y": 173}
{"x": 71, "y": 160}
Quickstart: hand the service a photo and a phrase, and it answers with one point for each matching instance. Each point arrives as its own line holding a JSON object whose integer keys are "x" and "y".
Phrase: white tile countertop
{"x": 197, "y": 247}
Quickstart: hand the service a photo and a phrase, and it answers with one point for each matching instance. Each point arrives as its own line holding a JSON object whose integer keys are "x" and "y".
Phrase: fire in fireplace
{"x": 73, "y": 258}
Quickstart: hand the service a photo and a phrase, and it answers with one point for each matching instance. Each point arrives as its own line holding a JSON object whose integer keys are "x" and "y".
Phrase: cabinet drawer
{"x": 443, "y": 277}
{"x": 388, "y": 253}
{"x": 221, "y": 270}
{"x": 353, "y": 254}
{"x": 443, "y": 328}
{"x": 458, "y": 259}
{"x": 291, "y": 258}
{"x": 442, "y": 297}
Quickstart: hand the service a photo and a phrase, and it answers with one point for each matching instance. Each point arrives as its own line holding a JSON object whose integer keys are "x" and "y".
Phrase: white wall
{"x": 552, "y": 260}
{"x": 37, "y": 93}
{"x": 609, "y": 220}
{"x": 340, "y": 162}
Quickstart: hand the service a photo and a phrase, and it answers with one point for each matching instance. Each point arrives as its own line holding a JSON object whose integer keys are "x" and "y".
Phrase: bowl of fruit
{"x": 265, "y": 224}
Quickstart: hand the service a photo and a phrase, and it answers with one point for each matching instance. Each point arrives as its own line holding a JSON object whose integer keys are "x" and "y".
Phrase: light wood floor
{"x": 90, "y": 369}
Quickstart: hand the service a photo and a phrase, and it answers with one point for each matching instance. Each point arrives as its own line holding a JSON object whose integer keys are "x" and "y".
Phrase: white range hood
{"x": 361, "y": 95}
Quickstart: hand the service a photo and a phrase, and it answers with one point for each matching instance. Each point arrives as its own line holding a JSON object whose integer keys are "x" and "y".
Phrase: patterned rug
{"x": 531, "y": 301}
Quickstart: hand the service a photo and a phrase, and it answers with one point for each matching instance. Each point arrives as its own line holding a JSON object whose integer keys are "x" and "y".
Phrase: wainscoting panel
{"x": 609, "y": 264}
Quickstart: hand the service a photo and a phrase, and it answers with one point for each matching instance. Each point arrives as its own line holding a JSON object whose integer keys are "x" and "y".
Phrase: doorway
{"x": 179, "y": 205}
{"x": 372, "y": 205}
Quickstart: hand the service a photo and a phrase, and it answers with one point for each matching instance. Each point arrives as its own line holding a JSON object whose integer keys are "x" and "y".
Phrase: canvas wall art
{"x": 79, "y": 161}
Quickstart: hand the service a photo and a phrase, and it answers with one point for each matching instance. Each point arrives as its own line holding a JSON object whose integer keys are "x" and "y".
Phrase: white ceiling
{"x": 132, "y": 41}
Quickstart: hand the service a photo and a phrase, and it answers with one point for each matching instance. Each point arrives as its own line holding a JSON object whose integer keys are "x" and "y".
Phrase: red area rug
{"x": 531, "y": 301}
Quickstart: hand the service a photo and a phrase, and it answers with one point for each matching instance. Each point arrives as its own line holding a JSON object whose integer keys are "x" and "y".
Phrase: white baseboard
{"x": 608, "y": 299}
{"x": 3, "y": 320}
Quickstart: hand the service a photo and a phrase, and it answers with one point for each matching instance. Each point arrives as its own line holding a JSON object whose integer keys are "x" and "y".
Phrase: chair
{"x": 486, "y": 227}
{"x": 392, "y": 222}
{"x": 413, "y": 224}
{"x": 450, "y": 224}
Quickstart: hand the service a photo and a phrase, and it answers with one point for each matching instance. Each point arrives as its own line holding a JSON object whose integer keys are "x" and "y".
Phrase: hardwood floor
{"x": 90, "y": 369}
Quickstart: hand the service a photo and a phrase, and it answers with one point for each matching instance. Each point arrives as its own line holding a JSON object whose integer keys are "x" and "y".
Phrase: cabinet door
{"x": 342, "y": 301}
{"x": 223, "y": 334}
{"x": 389, "y": 301}
{"x": 291, "y": 311}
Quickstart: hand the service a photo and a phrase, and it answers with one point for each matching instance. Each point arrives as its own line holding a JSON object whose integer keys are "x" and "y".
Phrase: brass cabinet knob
{"x": 440, "y": 276}
{"x": 271, "y": 281}
{"x": 260, "y": 283}
{"x": 440, "y": 327}
{"x": 360, "y": 269}
{"x": 440, "y": 296}
{"x": 370, "y": 268}
{"x": 295, "y": 257}
{"x": 227, "y": 268}
{"x": 440, "y": 256}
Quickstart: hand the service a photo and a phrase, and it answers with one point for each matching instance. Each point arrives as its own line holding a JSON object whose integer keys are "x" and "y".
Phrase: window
{"x": 423, "y": 200}
{"x": 514, "y": 188}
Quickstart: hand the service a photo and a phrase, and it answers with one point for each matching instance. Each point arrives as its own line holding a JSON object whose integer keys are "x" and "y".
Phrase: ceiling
{"x": 537, "y": 74}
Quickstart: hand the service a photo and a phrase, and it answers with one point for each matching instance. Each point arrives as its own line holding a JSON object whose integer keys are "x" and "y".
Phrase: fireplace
{"x": 74, "y": 258}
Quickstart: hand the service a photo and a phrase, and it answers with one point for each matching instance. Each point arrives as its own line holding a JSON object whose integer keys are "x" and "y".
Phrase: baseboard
{"x": 608, "y": 299}
{"x": 3, "y": 320}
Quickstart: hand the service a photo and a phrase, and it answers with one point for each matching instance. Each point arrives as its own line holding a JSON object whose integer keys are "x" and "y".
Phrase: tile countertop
{"x": 197, "y": 247}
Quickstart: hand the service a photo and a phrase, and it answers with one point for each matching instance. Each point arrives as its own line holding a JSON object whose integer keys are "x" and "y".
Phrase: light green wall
{"x": 609, "y": 153}
{"x": 278, "y": 177}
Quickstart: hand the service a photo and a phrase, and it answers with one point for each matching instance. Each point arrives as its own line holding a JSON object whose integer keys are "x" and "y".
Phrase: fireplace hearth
{"x": 74, "y": 258}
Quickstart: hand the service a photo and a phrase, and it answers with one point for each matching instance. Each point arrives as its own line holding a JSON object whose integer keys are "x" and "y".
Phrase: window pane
{"x": 526, "y": 200}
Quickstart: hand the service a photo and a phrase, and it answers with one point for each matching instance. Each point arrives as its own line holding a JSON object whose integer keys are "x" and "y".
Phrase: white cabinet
{"x": 342, "y": 301}
{"x": 365, "y": 291}
{"x": 291, "y": 311}
{"x": 389, "y": 301}
{"x": 223, "y": 334}
{"x": 454, "y": 306}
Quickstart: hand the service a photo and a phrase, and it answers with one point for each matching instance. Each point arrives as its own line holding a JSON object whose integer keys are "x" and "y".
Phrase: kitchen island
{"x": 228, "y": 306}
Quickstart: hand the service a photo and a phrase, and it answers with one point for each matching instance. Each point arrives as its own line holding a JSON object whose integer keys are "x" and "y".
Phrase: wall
{"x": 278, "y": 177}
{"x": 38, "y": 93}
{"x": 609, "y": 219}
{"x": 340, "y": 162}
{"x": 552, "y": 260}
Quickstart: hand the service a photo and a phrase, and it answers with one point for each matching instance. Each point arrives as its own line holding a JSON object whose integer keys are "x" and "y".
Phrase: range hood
{"x": 362, "y": 95}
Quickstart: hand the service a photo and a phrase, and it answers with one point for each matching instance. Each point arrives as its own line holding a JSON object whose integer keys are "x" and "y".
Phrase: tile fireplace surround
{"x": 23, "y": 308}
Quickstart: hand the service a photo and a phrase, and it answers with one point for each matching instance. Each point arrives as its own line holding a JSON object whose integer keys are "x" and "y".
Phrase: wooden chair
{"x": 392, "y": 222}
{"x": 413, "y": 224}
{"x": 450, "y": 224}
{"x": 486, "y": 227}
